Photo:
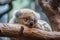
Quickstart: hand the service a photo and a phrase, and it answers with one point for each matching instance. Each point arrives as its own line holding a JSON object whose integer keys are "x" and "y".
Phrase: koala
{"x": 30, "y": 18}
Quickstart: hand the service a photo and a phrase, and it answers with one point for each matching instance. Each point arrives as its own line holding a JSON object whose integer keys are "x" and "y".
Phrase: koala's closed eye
{"x": 26, "y": 19}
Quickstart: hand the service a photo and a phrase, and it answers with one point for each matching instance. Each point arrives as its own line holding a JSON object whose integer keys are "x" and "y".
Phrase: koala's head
{"x": 26, "y": 17}
{"x": 29, "y": 19}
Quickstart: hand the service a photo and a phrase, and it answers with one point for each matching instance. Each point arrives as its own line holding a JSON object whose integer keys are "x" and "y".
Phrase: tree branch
{"x": 11, "y": 30}
{"x": 16, "y": 30}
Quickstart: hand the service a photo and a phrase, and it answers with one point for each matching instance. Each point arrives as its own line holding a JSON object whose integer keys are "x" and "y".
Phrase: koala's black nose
{"x": 31, "y": 23}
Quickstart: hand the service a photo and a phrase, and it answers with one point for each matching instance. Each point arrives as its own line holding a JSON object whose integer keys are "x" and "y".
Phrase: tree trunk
{"x": 51, "y": 9}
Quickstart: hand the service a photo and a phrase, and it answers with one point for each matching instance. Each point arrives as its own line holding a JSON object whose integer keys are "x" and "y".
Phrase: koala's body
{"x": 29, "y": 18}
{"x": 43, "y": 25}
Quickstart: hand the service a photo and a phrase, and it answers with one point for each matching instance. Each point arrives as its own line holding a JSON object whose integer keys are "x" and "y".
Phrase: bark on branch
{"x": 11, "y": 30}
{"x": 16, "y": 30}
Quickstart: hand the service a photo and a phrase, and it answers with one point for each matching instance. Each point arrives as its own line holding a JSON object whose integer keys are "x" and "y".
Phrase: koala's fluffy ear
{"x": 17, "y": 13}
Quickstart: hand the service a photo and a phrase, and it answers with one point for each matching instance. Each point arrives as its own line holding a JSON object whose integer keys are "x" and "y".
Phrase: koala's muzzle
{"x": 31, "y": 22}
